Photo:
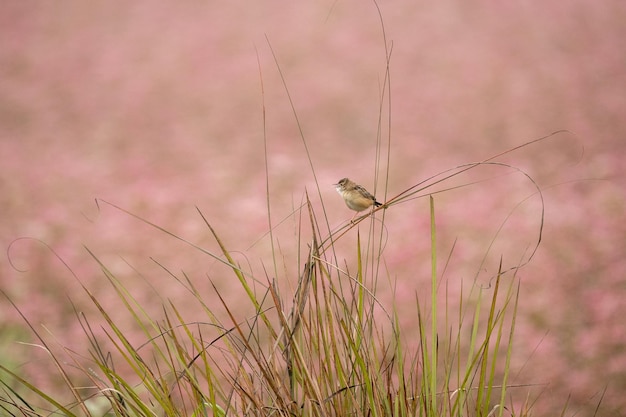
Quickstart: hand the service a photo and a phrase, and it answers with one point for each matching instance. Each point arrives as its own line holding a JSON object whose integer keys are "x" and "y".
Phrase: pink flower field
{"x": 160, "y": 110}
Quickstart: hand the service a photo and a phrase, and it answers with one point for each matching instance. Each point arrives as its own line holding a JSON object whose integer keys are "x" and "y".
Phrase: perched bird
{"x": 356, "y": 197}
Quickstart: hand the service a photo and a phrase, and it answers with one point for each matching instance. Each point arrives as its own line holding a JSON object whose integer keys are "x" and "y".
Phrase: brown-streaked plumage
{"x": 356, "y": 197}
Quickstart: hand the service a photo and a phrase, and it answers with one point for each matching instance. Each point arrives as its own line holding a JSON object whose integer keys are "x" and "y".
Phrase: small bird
{"x": 356, "y": 197}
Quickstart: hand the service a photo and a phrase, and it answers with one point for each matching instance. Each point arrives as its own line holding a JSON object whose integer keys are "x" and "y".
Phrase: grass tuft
{"x": 329, "y": 349}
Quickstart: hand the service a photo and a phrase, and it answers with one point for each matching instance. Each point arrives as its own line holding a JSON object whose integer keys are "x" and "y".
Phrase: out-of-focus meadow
{"x": 158, "y": 108}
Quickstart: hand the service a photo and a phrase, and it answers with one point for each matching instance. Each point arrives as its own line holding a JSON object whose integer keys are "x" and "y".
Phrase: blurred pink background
{"x": 158, "y": 108}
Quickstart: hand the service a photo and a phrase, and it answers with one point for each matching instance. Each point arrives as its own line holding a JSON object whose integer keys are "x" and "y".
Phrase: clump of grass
{"x": 329, "y": 349}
